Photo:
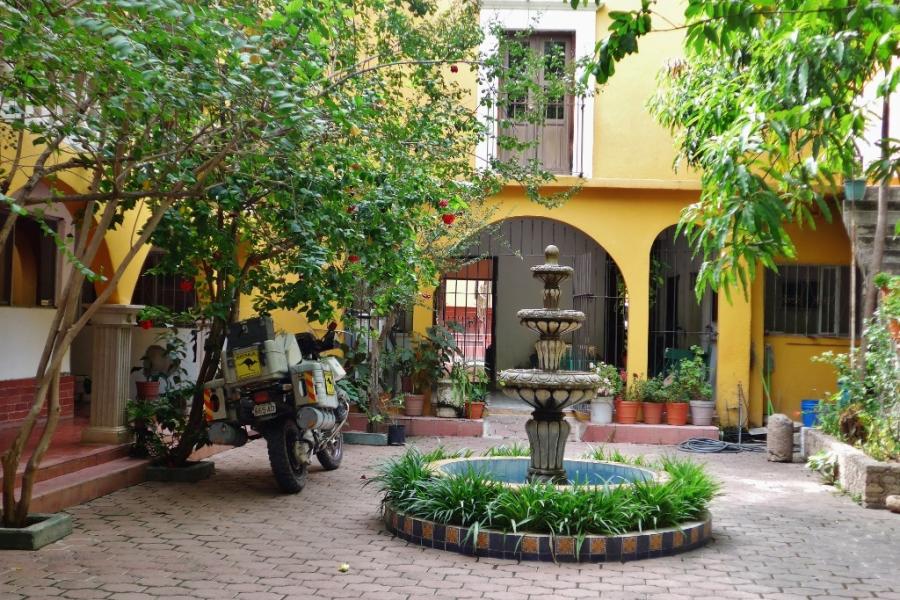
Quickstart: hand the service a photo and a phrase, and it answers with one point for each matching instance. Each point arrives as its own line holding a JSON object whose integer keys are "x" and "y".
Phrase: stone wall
{"x": 858, "y": 473}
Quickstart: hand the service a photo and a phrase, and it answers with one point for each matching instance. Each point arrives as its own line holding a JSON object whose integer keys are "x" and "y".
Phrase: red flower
{"x": 448, "y": 218}
{"x": 146, "y": 324}
{"x": 443, "y": 204}
{"x": 353, "y": 258}
{"x": 351, "y": 209}
{"x": 185, "y": 285}
{"x": 454, "y": 69}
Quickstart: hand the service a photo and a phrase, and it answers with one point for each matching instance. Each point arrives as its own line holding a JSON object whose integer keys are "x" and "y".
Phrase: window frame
{"x": 829, "y": 302}
{"x": 47, "y": 259}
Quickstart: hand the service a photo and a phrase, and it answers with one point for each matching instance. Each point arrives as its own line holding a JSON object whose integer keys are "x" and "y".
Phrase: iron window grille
{"x": 810, "y": 300}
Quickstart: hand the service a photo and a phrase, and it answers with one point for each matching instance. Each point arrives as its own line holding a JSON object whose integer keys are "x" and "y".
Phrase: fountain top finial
{"x": 551, "y": 255}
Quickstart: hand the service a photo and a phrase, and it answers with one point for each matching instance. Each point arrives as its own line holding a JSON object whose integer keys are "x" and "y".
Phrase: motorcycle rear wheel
{"x": 332, "y": 454}
{"x": 285, "y": 443}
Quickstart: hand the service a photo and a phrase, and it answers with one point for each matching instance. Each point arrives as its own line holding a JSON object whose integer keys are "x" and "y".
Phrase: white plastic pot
{"x": 702, "y": 412}
{"x": 601, "y": 410}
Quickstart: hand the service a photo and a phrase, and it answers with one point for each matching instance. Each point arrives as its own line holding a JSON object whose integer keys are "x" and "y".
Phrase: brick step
{"x": 641, "y": 433}
{"x": 87, "y": 456}
{"x": 53, "y": 495}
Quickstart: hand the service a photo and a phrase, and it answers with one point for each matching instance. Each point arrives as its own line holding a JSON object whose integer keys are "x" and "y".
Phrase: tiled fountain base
{"x": 531, "y": 546}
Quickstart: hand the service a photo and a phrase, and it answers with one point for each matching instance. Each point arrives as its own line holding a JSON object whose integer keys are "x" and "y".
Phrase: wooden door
{"x": 553, "y": 135}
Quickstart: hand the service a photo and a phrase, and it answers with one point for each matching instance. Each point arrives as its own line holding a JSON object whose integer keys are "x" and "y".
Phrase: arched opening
{"x": 484, "y": 296}
{"x": 162, "y": 289}
{"x": 677, "y": 320}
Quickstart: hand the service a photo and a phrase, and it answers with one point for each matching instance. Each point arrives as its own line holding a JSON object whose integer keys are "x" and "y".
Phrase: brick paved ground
{"x": 778, "y": 534}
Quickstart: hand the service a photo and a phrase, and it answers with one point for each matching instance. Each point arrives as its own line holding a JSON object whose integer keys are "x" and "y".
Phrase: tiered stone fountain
{"x": 547, "y": 389}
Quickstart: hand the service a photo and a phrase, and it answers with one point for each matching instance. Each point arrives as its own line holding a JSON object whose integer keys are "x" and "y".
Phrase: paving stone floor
{"x": 778, "y": 534}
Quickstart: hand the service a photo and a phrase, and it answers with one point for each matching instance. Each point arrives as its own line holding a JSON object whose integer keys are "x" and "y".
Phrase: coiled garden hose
{"x": 707, "y": 446}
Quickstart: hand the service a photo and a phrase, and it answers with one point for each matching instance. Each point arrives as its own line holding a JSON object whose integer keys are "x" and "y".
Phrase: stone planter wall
{"x": 858, "y": 473}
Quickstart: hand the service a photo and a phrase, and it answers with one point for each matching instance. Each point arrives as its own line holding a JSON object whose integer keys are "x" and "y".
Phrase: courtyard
{"x": 778, "y": 533}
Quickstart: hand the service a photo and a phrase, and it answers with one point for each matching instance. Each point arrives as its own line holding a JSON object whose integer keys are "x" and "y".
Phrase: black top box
{"x": 250, "y": 332}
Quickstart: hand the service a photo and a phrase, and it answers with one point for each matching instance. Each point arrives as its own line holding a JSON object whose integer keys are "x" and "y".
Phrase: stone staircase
{"x": 864, "y": 213}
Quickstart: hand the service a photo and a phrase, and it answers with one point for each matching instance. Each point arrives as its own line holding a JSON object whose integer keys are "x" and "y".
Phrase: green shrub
{"x": 474, "y": 500}
{"x": 514, "y": 449}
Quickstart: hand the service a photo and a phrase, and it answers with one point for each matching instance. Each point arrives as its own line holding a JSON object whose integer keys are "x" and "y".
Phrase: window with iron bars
{"x": 811, "y": 300}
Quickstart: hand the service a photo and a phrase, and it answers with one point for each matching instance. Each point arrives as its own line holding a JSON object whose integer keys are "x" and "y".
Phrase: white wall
{"x": 24, "y": 333}
{"x": 140, "y": 341}
{"x": 517, "y": 289}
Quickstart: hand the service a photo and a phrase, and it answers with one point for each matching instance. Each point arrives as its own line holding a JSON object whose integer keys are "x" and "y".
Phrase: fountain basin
{"x": 550, "y": 322}
{"x": 513, "y": 471}
{"x": 549, "y": 390}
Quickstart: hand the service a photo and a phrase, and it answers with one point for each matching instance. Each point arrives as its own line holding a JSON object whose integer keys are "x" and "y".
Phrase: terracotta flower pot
{"x": 677, "y": 413}
{"x": 894, "y": 327}
{"x": 626, "y": 414}
{"x": 147, "y": 390}
{"x": 653, "y": 413}
{"x": 413, "y": 405}
{"x": 475, "y": 410}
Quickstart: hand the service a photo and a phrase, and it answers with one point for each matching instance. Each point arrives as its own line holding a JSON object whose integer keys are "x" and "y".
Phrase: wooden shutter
{"x": 46, "y": 284}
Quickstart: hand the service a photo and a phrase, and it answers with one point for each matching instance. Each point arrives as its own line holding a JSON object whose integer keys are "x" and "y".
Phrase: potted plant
{"x": 396, "y": 433}
{"x": 477, "y": 394}
{"x": 158, "y": 423}
{"x": 627, "y": 410}
{"x": 432, "y": 356}
{"x": 691, "y": 385}
{"x": 610, "y": 387}
{"x": 396, "y": 365}
{"x": 652, "y": 400}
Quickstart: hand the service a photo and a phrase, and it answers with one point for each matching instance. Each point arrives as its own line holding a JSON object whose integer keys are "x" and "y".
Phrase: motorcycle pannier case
{"x": 314, "y": 385}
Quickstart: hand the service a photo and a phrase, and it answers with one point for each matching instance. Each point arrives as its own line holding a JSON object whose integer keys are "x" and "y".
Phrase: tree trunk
{"x": 880, "y": 240}
{"x": 207, "y": 372}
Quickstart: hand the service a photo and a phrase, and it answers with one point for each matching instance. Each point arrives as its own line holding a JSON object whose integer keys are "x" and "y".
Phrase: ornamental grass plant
{"x": 472, "y": 499}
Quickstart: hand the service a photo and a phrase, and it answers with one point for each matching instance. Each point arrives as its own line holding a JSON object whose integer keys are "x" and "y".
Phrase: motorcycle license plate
{"x": 261, "y": 410}
{"x": 246, "y": 363}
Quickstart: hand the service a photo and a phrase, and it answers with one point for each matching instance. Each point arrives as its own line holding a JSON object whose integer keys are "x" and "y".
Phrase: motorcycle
{"x": 282, "y": 388}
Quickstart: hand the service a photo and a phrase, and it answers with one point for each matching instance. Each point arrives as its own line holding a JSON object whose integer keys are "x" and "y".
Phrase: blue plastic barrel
{"x": 809, "y": 412}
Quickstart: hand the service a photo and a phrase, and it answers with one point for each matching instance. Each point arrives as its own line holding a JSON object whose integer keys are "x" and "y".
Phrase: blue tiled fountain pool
{"x": 515, "y": 470}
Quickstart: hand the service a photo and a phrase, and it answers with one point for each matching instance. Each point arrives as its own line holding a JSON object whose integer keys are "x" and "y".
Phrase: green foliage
{"x": 890, "y": 298}
{"x": 615, "y": 455}
{"x": 610, "y": 379}
{"x": 865, "y": 411}
{"x": 473, "y": 500}
{"x": 825, "y": 463}
{"x": 691, "y": 378}
{"x": 644, "y": 390}
{"x": 159, "y": 424}
{"x": 765, "y": 106}
{"x": 514, "y": 449}
{"x": 433, "y": 356}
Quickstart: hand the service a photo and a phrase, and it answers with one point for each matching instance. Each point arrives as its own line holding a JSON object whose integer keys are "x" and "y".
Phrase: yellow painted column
{"x": 733, "y": 361}
{"x": 637, "y": 278}
{"x": 758, "y": 348}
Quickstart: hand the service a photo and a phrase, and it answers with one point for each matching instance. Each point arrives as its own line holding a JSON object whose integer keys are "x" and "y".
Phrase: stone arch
{"x": 484, "y": 295}
{"x": 678, "y": 320}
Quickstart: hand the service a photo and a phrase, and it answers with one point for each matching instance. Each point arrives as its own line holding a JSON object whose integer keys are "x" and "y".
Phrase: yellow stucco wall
{"x": 796, "y": 376}
{"x": 623, "y": 127}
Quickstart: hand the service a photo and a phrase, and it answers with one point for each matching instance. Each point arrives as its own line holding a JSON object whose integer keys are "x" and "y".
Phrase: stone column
{"x": 113, "y": 326}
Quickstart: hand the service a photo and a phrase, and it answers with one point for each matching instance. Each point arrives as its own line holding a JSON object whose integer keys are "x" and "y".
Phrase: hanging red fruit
{"x": 454, "y": 69}
{"x": 448, "y": 218}
{"x": 186, "y": 285}
{"x": 443, "y": 204}
{"x": 353, "y": 258}
{"x": 146, "y": 324}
